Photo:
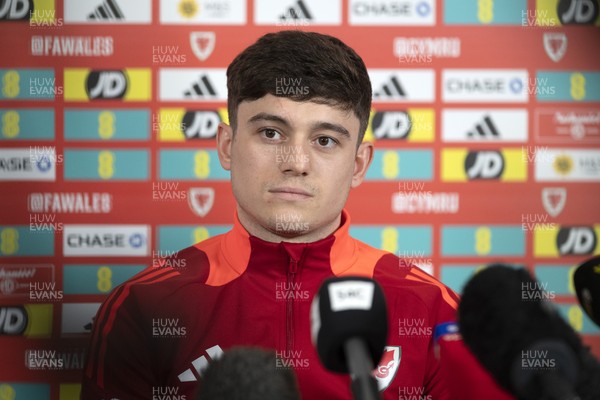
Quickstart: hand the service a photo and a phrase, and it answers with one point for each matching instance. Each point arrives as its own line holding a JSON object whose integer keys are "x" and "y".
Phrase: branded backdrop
{"x": 486, "y": 121}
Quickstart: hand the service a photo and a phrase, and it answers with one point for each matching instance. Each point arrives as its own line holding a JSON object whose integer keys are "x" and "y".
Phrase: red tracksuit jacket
{"x": 161, "y": 328}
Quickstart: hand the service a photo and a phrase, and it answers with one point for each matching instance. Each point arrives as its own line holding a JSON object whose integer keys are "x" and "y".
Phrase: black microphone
{"x": 349, "y": 330}
{"x": 586, "y": 280}
{"x": 249, "y": 373}
{"x": 519, "y": 337}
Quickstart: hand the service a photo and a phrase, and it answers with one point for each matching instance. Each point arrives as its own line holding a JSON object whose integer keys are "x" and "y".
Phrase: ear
{"x": 224, "y": 143}
{"x": 364, "y": 156}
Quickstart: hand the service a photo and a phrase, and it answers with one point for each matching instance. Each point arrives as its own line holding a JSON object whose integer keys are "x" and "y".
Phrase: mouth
{"x": 290, "y": 193}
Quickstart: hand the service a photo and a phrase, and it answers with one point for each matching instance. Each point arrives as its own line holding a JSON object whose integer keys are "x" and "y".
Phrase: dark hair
{"x": 327, "y": 70}
{"x": 248, "y": 373}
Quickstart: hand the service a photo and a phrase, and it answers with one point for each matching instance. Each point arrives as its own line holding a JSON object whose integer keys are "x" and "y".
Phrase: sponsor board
{"x": 568, "y": 86}
{"x": 567, "y": 12}
{"x": 558, "y": 278}
{"x": 484, "y": 125}
{"x": 390, "y": 165}
{"x": 563, "y": 165}
{"x": 37, "y": 12}
{"x": 106, "y": 124}
{"x": 96, "y": 279}
{"x": 203, "y": 12}
{"x": 202, "y": 44}
{"x": 297, "y": 12}
{"x": 411, "y": 125}
{"x": 25, "y": 391}
{"x": 130, "y": 84}
{"x": 180, "y": 124}
{"x": 27, "y": 124}
{"x": 78, "y": 318}
{"x": 403, "y": 85}
{"x": 562, "y": 240}
{"x": 190, "y": 165}
{"x": 485, "y": 85}
{"x": 415, "y": 239}
{"x": 107, "y": 165}
{"x": 106, "y": 240}
{"x": 28, "y": 164}
{"x": 21, "y": 240}
{"x": 462, "y": 165}
{"x": 108, "y": 11}
{"x": 15, "y": 279}
{"x": 72, "y": 46}
{"x": 474, "y": 12}
{"x": 425, "y": 49}
{"x": 567, "y": 125}
{"x": 396, "y": 13}
{"x": 28, "y": 84}
{"x": 70, "y": 202}
{"x": 415, "y": 202}
{"x": 29, "y": 320}
{"x": 193, "y": 84}
{"x": 484, "y": 240}
{"x": 172, "y": 238}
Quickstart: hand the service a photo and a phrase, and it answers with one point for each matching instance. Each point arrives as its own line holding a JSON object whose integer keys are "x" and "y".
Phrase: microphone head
{"x": 503, "y": 313}
{"x": 345, "y": 308}
{"x": 586, "y": 280}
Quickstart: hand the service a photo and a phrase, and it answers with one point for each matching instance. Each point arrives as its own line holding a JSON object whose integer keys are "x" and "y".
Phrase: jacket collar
{"x": 337, "y": 251}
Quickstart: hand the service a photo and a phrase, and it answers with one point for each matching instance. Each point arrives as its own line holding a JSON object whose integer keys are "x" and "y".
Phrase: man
{"x": 298, "y": 106}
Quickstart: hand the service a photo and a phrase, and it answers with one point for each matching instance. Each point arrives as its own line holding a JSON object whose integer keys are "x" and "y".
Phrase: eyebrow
{"x": 317, "y": 126}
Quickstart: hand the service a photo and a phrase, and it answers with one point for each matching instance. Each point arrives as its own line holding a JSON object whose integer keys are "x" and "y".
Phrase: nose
{"x": 292, "y": 159}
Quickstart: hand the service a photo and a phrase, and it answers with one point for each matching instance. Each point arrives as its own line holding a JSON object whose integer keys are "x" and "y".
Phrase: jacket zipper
{"x": 293, "y": 268}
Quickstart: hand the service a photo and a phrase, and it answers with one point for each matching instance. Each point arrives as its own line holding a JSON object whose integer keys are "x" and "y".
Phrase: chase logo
{"x": 413, "y": 125}
{"x": 567, "y": 12}
{"x": 461, "y": 165}
{"x": 566, "y": 241}
{"x": 408, "y": 12}
{"x": 29, "y": 320}
{"x": 132, "y": 84}
{"x": 484, "y": 85}
{"x": 178, "y": 124}
{"x": 106, "y": 240}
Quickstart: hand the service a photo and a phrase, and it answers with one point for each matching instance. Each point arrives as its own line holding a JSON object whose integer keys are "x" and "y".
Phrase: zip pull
{"x": 293, "y": 265}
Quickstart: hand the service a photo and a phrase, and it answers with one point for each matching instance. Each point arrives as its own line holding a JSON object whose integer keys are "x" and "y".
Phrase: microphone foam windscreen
{"x": 586, "y": 280}
{"x": 344, "y": 308}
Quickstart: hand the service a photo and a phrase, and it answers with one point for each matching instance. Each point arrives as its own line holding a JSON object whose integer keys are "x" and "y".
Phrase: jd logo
{"x": 576, "y": 240}
{"x": 106, "y": 85}
{"x": 200, "y": 124}
{"x": 14, "y": 10}
{"x": 391, "y": 125}
{"x": 484, "y": 164}
{"x": 577, "y": 11}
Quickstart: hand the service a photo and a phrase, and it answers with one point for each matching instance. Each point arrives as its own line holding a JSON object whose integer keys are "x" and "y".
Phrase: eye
{"x": 270, "y": 134}
{"x": 326, "y": 141}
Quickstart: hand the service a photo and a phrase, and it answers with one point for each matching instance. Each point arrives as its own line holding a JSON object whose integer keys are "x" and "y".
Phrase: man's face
{"x": 292, "y": 166}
